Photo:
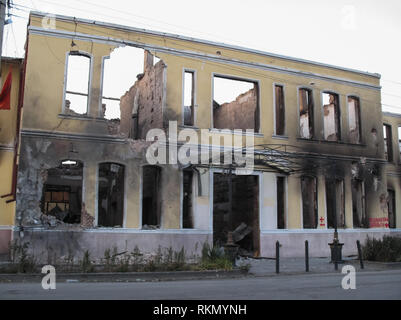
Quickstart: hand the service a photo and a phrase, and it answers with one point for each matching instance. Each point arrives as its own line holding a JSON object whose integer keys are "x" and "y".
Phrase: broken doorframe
{"x": 97, "y": 193}
{"x": 194, "y": 95}
{"x": 212, "y": 171}
{"x": 88, "y": 106}
{"x": 237, "y": 78}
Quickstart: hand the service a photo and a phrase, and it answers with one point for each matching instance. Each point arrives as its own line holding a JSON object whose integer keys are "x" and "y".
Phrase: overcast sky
{"x": 363, "y": 35}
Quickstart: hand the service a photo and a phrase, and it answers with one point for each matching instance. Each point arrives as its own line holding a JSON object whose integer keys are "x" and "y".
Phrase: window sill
{"x": 75, "y": 117}
{"x": 242, "y": 133}
{"x": 333, "y": 142}
{"x": 184, "y": 126}
{"x": 274, "y": 136}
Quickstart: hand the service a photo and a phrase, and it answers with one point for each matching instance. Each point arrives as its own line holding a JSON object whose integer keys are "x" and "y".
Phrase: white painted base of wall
{"x": 43, "y": 242}
{"x": 293, "y": 241}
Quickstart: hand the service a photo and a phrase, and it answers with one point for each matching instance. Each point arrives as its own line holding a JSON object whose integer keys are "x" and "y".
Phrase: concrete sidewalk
{"x": 266, "y": 266}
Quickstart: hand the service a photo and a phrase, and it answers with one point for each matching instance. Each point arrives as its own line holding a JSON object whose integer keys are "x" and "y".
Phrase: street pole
{"x": 230, "y": 199}
{"x": 3, "y": 5}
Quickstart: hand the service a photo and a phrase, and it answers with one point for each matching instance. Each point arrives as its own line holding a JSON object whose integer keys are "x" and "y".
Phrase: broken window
{"x": 62, "y": 192}
{"x": 309, "y": 202}
{"x": 280, "y": 109}
{"x": 306, "y": 126}
{"x": 235, "y": 104}
{"x": 111, "y": 195}
{"x": 151, "y": 197}
{"x": 120, "y": 72}
{"x": 335, "y": 203}
{"x": 331, "y": 113}
{"x": 189, "y": 98}
{"x": 358, "y": 204}
{"x": 244, "y": 219}
{"x": 388, "y": 147}
{"x": 281, "y": 223}
{"x": 187, "y": 200}
{"x": 399, "y": 141}
{"x": 77, "y": 83}
{"x": 391, "y": 208}
{"x": 354, "y": 120}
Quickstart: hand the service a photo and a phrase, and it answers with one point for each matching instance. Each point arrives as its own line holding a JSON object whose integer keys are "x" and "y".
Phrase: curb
{"x": 127, "y": 276}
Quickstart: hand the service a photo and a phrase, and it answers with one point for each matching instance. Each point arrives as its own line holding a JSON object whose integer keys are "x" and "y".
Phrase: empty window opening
{"x": 111, "y": 195}
{"x": 151, "y": 197}
{"x": 388, "y": 147}
{"x": 354, "y": 120}
{"x": 244, "y": 219}
{"x": 189, "y": 98}
{"x": 77, "y": 84}
{"x": 309, "y": 202}
{"x": 120, "y": 72}
{"x": 235, "y": 104}
{"x": 306, "y": 114}
{"x": 358, "y": 204}
{"x": 281, "y": 222}
{"x": 335, "y": 203}
{"x": 331, "y": 114}
{"x": 62, "y": 192}
{"x": 280, "y": 109}
{"x": 391, "y": 208}
{"x": 399, "y": 141}
{"x": 187, "y": 201}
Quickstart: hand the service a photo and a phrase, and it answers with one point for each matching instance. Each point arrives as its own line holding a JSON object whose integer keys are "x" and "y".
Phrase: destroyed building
{"x": 83, "y": 182}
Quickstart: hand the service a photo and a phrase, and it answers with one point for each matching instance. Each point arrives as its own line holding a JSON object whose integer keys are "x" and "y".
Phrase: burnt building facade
{"x": 85, "y": 181}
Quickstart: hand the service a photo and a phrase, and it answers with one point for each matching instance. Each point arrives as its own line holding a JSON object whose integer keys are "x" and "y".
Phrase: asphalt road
{"x": 369, "y": 285}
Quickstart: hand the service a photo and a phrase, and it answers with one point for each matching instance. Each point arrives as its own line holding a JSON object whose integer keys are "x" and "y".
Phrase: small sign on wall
{"x": 378, "y": 222}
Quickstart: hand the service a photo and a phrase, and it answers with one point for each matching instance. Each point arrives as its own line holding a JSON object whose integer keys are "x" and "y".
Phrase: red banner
{"x": 6, "y": 93}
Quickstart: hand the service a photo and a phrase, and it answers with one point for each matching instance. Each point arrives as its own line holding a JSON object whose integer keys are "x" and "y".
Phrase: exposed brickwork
{"x": 147, "y": 94}
{"x": 238, "y": 114}
{"x": 86, "y": 219}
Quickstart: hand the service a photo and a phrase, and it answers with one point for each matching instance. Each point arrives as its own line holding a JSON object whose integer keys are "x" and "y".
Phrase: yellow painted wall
{"x": 393, "y": 168}
{"x": 8, "y": 123}
{"x": 46, "y": 68}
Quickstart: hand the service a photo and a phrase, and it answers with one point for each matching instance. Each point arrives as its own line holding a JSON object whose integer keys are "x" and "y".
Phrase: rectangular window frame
{"x": 354, "y": 96}
{"x": 194, "y": 179}
{"x": 393, "y": 198}
{"x": 339, "y": 116}
{"x": 316, "y": 210}
{"x": 276, "y": 133}
{"x": 336, "y": 181}
{"x": 194, "y": 97}
{"x": 233, "y": 77}
{"x": 312, "y": 128}
{"x": 388, "y": 142}
{"x": 285, "y": 188}
{"x": 90, "y": 79}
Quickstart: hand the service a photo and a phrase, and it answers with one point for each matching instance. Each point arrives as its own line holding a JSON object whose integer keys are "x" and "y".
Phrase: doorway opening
{"x": 243, "y": 221}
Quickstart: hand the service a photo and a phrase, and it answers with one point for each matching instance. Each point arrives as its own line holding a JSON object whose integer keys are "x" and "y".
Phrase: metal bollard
{"x": 306, "y": 256}
{"x": 277, "y": 257}
{"x": 358, "y": 244}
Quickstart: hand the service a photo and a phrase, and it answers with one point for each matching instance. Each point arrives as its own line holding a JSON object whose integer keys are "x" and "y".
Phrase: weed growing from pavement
{"x": 164, "y": 259}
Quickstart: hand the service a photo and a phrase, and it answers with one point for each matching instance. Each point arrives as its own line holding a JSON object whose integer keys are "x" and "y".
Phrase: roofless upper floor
{"x": 284, "y": 100}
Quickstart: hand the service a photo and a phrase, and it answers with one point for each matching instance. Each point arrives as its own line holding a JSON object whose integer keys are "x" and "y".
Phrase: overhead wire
{"x": 233, "y": 68}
